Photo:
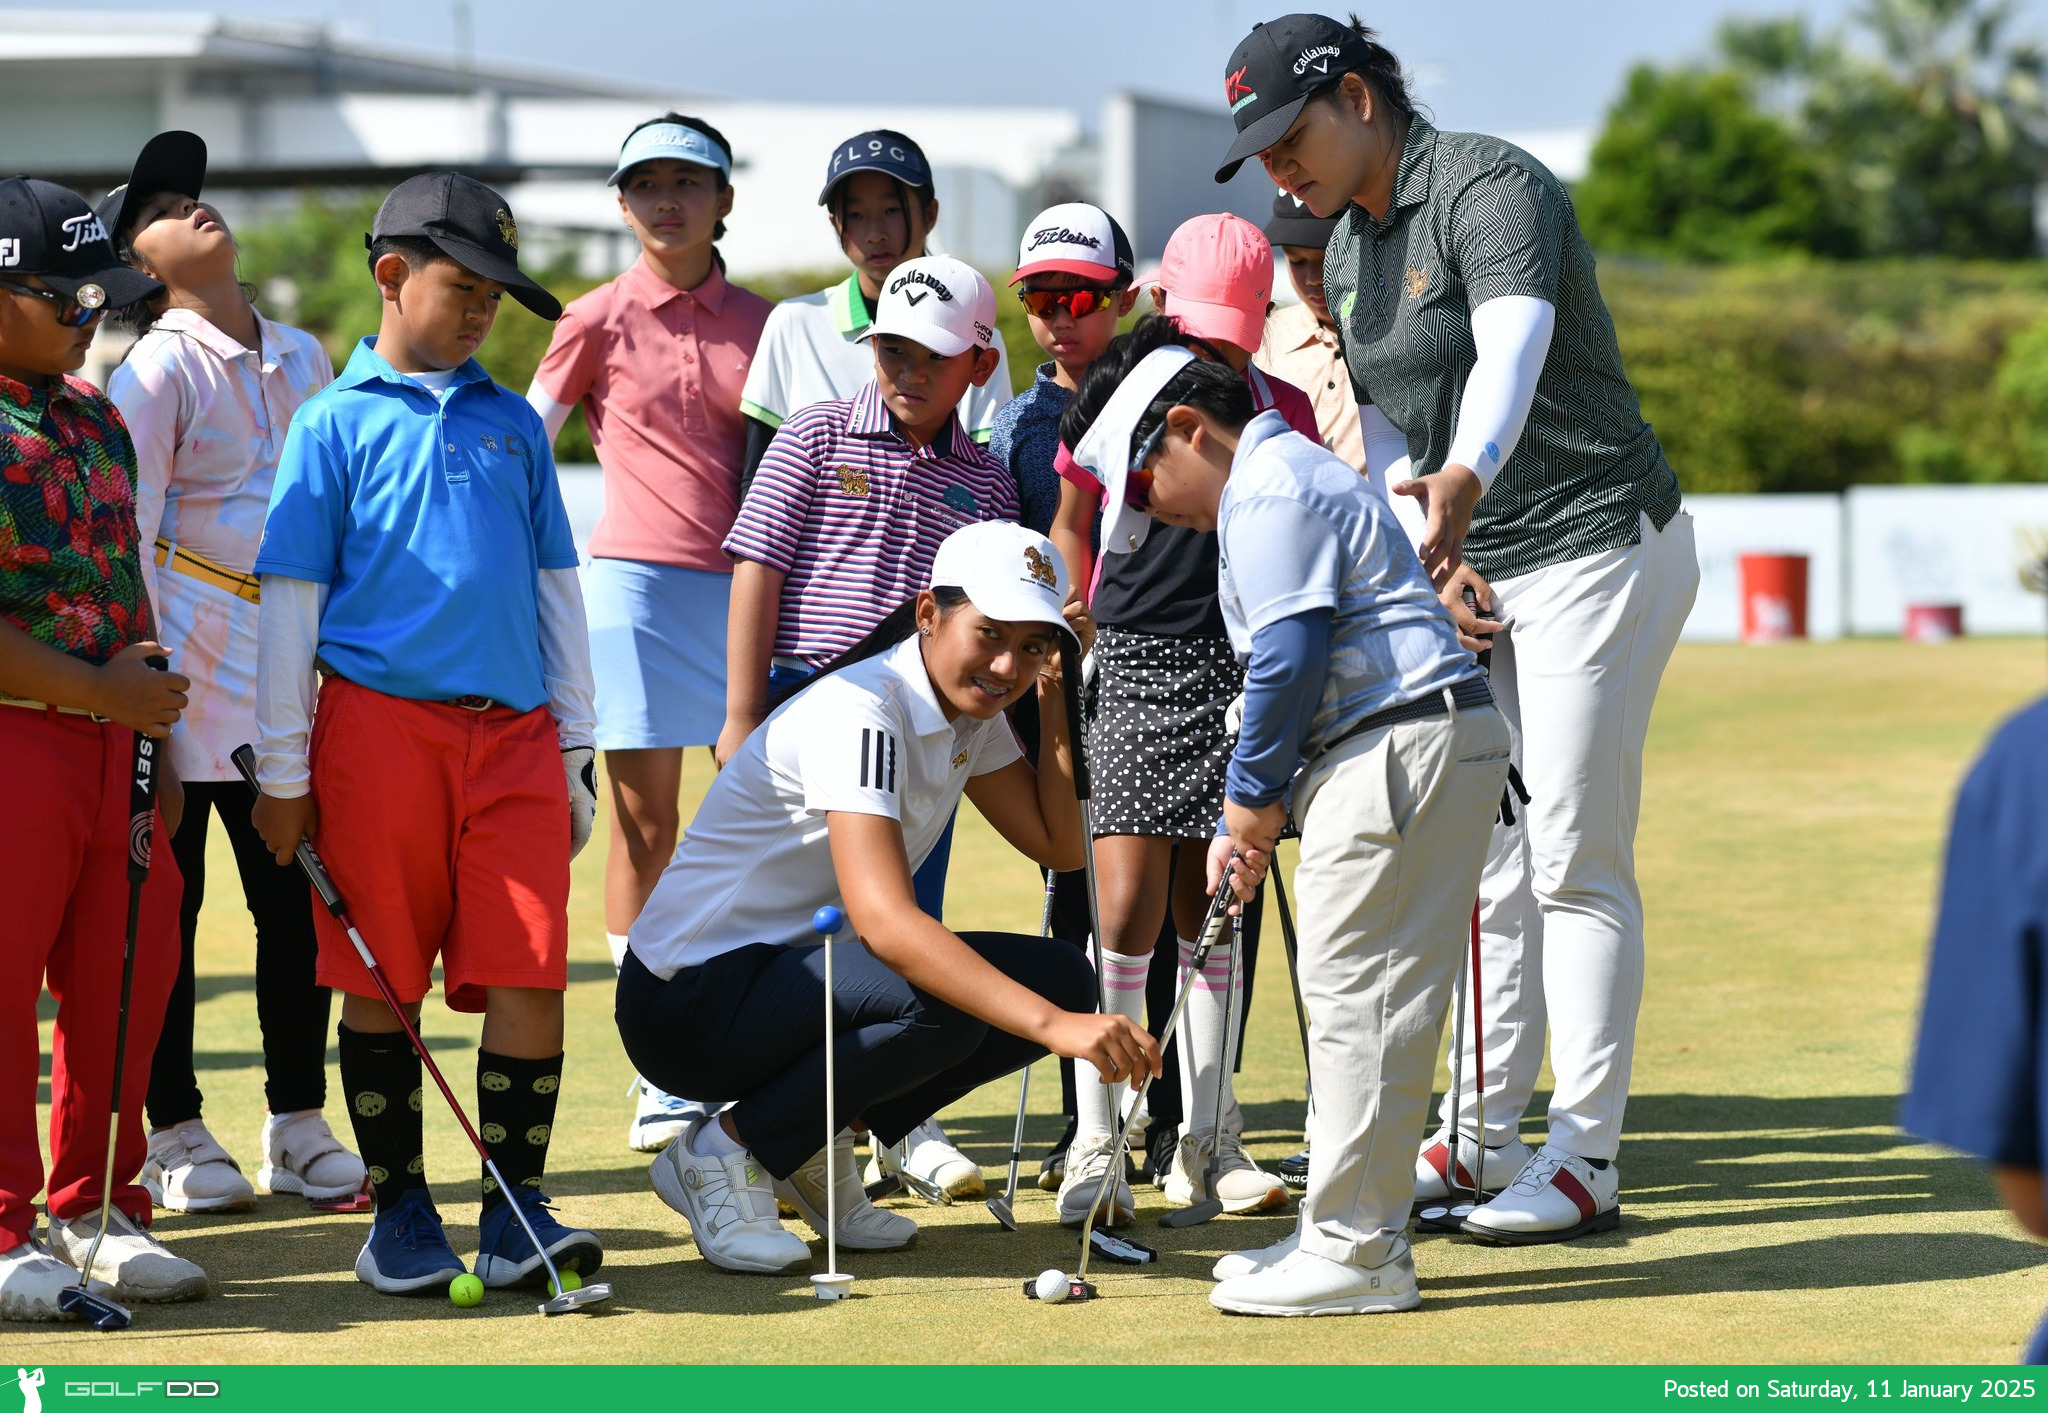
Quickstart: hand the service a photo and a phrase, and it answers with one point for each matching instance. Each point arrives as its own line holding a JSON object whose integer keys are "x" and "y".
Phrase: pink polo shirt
{"x": 658, "y": 371}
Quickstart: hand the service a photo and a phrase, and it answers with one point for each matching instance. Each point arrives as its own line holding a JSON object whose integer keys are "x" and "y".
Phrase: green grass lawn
{"x": 1795, "y": 805}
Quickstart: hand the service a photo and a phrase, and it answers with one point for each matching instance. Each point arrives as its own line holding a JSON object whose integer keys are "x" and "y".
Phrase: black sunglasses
{"x": 73, "y": 311}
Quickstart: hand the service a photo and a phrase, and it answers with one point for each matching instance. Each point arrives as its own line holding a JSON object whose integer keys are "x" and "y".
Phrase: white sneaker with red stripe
{"x": 1556, "y": 1197}
{"x": 1503, "y": 1164}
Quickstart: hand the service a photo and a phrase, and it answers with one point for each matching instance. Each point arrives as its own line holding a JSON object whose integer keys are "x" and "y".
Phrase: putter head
{"x": 887, "y": 1185}
{"x": 1077, "y": 1289}
{"x": 1120, "y": 1249}
{"x": 100, "y": 1311}
{"x": 999, "y": 1208}
{"x": 1192, "y": 1216}
{"x": 567, "y": 1300}
{"x": 833, "y": 1285}
{"x": 1443, "y": 1217}
{"x": 361, "y": 1200}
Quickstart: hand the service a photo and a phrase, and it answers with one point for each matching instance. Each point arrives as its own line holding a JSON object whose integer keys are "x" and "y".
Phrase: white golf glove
{"x": 1233, "y": 715}
{"x": 581, "y": 764}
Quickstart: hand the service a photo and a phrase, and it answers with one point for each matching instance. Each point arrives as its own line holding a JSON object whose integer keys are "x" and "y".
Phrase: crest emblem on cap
{"x": 507, "y": 227}
{"x": 1040, "y": 568}
{"x": 90, "y": 297}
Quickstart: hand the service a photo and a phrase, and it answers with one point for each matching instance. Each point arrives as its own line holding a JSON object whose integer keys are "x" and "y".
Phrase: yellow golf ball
{"x": 570, "y": 1281}
{"x": 466, "y": 1292}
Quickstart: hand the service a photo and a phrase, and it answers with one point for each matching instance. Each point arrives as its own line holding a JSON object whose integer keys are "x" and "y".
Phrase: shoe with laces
{"x": 730, "y": 1205}
{"x": 31, "y": 1280}
{"x": 407, "y": 1252}
{"x": 302, "y": 1155}
{"x": 135, "y": 1265}
{"x": 505, "y": 1255}
{"x": 1241, "y": 1185}
{"x": 1502, "y": 1164}
{"x": 1087, "y": 1169}
{"x": 1557, "y": 1196}
{"x": 862, "y": 1225}
{"x": 942, "y": 1172}
{"x": 659, "y": 1118}
{"x": 188, "y": 1171}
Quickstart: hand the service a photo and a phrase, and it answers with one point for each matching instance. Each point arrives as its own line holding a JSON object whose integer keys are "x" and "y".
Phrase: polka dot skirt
{"x": 1156, "y": 741}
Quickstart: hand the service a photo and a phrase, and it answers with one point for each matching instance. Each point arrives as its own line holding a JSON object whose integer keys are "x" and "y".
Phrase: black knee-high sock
{"x": 380, "y": 1074}
{"x": 515, "y": 1109}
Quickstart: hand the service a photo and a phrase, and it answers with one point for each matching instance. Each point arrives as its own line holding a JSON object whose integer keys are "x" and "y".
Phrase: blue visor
{"x": 673, "y": 142}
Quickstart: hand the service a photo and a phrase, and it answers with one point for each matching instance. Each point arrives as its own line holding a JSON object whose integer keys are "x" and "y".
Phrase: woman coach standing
{"x": 1466, "y": 302}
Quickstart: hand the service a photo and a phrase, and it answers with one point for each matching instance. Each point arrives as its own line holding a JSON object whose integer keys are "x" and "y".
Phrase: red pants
{"x": 63, "y": 917}
{"x": 447, "y": 831}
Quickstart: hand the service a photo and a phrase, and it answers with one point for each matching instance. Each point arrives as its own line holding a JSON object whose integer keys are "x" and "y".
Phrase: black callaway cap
{"x": 1292, "y": 223}
{"x": 170, "y": 161}
{"x": 470, "y": 224}
{"x": 48, "y": 231}
{"x": 1272, "y": 72}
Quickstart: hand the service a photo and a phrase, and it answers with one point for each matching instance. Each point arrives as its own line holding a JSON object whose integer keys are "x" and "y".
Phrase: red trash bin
{"x": 1773, "y": 588}
{"x": 1933, "y": 622}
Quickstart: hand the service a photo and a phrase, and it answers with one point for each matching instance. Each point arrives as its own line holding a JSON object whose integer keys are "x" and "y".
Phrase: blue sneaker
{"x": 505, "y": 1256}
{"x": 406, "y": 1252}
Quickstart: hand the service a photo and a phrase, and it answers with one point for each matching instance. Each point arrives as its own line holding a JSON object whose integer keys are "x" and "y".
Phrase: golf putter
{"x": 1449, "y": 1214}
{"x": 834, "y": 1284}
{"x": 1211, "y": 1206}
{"x": 1478, "y": 1071}
{"x": 1292, "y": 944}
{"x": 1001, "y": 1208}
{"x": 562, "y": 1300}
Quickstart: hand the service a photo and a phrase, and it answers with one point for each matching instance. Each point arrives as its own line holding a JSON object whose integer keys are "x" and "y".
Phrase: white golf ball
{"x": 1052, "y": 1286}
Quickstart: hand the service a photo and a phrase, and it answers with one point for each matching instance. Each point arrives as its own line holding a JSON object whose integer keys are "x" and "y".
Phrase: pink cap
{"x": 1218, "y": 277}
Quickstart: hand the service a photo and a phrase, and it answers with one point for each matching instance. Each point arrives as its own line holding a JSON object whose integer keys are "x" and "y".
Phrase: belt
{"x": 469, "y": 701}
{"x": 1469, "y": 695}
{"x": 6, "y": 700}
{"x": 183, "y": 561}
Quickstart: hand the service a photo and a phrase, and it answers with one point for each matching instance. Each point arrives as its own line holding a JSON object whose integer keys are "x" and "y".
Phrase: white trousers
{"x": 1561, "y": 918}
{"x": 1394, "y": 829}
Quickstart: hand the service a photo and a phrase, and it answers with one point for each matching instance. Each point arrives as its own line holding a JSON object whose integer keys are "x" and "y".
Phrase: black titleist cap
{"x": 48, "y": 231}
{"x": 890, "y": 153}
{"x": 1272, "y": 72}
{"x": 1292, "y": 223}
{"x": 470, "y": 224}
{"x": 170, "y": 161}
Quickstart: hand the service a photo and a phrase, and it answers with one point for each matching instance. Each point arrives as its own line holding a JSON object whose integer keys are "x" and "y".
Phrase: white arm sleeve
{"x": 1512, "y": 334}
{"x": 287, "y": 638}
{"x": 565, "y": 658}
{"x": 553, "y": 414}
{"x": 1385, "y": 449}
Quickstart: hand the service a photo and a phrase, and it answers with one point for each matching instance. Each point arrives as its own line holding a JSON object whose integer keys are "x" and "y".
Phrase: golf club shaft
{"x": 1478, "y": 1065}
{"x": 1224, "y": 1057}
{"x": 1457, "y": 1091}
{"x": 831, "y": 1128}
{"x": 1288, "y": 940}
{"x": 1024, "y": 1078}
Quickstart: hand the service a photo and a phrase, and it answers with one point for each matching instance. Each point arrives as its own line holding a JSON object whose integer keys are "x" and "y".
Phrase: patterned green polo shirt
{"x": 1474, "y": 218}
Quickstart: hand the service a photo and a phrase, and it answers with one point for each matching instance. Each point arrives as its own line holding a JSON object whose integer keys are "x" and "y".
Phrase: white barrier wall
{"x": 1728, "y": 527}
{"x": 1945, "y": 544}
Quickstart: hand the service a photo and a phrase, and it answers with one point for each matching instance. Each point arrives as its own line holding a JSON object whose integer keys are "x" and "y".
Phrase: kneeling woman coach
{"x": 837, "y": 798}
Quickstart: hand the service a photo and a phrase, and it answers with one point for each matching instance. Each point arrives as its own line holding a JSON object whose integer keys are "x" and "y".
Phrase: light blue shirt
{"x": 1300, "y": 529}
{"x": 431, "y": 519}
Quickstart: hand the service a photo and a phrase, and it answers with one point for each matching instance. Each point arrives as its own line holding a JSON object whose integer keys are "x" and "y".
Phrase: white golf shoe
{"x": 302, "y": 1155}
{"x": 929, "y": 1164}
{"x": 1241, "y": 1185}
{"x": 658, "y": 1118}
{"x": 730, "y": 1206}
{"x": 188, "y": 1171}
{"x": 1248, "y": 1263}
{"x": 862, "y": 1225}
{"x": 1556, "y": 1196}
{"x": 135, "y": 1264}
{"x": 1303, "y": 1283}
{"x": 30, "y": 1281}
{"x": 1087, "y": 1168}
{"x": 1503, "y": 1163}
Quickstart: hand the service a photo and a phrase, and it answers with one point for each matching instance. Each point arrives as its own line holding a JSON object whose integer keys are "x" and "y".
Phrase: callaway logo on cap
{"x": 1270, "y": 75}
{"x": 1076, "y": 239}
{"x": 939, "y": 302}
{"x": 48, "y": 231}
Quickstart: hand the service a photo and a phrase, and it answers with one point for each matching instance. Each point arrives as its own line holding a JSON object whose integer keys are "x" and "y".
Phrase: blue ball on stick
{"x": 827, "y": 921}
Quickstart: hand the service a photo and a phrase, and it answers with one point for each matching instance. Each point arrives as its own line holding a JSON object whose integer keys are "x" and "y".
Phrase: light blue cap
{"x": 674, "y": 142}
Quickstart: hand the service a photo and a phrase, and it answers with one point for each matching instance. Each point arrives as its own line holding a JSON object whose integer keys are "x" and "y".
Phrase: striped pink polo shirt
{"x": 852, "y": 515}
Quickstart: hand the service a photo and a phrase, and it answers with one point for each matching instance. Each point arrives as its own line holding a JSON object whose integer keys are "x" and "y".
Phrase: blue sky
{"x": 1482, "y": 64}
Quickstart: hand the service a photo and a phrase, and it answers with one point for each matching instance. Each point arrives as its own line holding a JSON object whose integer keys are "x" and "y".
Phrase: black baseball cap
{"x": 890, "y": 153}
{"x": 470, "y": 224}
{"x": 170, "y": 161}
{"x": 48, "y": 231}
{"x": 1272, "y": 72}
{"x": 1292, "y": 223}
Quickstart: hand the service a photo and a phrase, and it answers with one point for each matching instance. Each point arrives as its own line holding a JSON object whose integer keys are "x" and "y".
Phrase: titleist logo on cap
{"x": 1060, "y": 235}
{"x": 80, "y": 230}
{"x": 919, "y": 277}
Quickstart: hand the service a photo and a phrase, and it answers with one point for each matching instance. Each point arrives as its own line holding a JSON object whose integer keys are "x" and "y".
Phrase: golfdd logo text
{"x": 143, "y": 1388}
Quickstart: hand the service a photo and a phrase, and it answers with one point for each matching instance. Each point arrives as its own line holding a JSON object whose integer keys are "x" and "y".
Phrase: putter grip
{"x": 245, "y": 761}
{"x": 142, "y": 794}
{"x": 1070, "y": 686}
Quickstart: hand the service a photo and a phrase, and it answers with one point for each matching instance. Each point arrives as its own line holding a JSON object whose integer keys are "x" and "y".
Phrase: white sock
{"x": 1123, "y": 985}
{"x": 712, "y": 1141}
{"x": 1212, "y": 1006}
{"x": 617, "y": 942}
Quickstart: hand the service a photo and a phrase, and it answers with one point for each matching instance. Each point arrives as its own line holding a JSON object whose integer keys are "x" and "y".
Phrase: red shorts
{"x": 447, "y": 832}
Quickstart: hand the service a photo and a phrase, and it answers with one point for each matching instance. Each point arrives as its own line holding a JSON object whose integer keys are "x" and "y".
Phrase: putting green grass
{"x": 1796, "y": 799}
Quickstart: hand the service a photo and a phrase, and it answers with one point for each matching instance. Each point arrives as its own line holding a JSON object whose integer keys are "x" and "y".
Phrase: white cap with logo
{"x": 939, "y": 302}
{"x": 1011, "y": 573}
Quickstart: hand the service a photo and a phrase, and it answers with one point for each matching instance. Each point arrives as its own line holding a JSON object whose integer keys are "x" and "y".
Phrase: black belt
{"x": 1470, "y": 694}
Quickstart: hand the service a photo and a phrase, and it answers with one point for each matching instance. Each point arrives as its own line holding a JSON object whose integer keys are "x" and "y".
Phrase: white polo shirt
{"x": 755, "y": 862}
{"x": 811, "y": 350}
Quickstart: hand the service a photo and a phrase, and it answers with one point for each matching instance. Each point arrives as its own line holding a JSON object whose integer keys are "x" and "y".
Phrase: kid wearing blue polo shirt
{"x": 417, "y": 555}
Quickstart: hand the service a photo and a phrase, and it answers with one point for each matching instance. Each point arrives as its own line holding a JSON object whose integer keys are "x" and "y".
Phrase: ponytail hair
{"x": 1380, "y": 70}
{"x": 900, "y": 623}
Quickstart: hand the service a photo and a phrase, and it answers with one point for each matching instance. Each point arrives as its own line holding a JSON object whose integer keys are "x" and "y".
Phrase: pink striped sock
{"x": 1121, "y": 973}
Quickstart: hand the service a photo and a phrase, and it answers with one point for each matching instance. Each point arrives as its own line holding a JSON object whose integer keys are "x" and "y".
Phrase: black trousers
{"x": 291, "y": 1008}
{"x": 747, "y": 1028}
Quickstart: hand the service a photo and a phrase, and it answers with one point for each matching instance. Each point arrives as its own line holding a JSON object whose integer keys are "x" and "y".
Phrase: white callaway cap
{"x": 1106, "y": 451}
{"x": 939, "y": 302}
{"x": 1012, "y": 574}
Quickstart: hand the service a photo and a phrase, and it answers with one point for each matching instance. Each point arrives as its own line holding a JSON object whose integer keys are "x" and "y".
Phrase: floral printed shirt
{"x": 70, "y": 568}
